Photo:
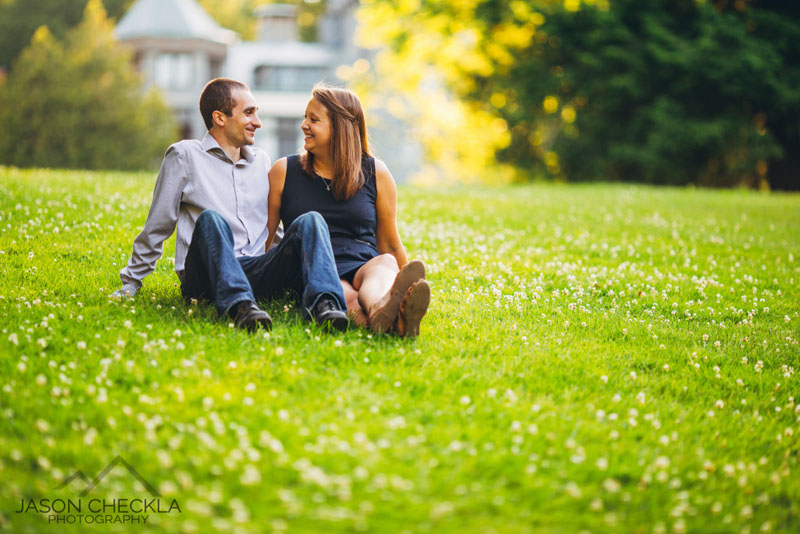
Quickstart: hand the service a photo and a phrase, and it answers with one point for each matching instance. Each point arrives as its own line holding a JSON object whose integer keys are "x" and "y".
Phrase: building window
{"x": 215, "y": 68}
{"x": 174, "y": 71}
{"x": 287, "y": 78}
{"x": 288, "y": 135}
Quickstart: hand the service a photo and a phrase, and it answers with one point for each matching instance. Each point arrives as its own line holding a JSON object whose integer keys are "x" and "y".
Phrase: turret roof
{"x": 175, "y": 19}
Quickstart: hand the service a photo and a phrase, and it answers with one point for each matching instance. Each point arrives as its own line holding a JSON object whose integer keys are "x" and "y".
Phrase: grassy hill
{"x": 598, "y": 358}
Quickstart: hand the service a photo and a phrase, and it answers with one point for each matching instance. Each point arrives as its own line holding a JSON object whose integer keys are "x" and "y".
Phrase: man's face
{"x": 240, "y": 128}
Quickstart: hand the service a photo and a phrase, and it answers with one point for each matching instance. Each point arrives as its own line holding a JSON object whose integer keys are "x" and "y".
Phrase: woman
{"x": 356, "y": 195}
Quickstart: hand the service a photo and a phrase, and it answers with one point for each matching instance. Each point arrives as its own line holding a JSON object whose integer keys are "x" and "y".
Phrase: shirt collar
{"x": 210, "y": 145}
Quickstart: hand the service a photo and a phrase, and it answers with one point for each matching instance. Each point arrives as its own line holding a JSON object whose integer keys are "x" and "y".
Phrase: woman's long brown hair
{"x": 348, "y": 139}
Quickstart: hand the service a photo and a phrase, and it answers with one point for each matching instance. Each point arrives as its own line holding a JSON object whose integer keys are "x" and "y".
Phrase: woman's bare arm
{"x": 277, "y": 178}
{"x": 387, "y": 235}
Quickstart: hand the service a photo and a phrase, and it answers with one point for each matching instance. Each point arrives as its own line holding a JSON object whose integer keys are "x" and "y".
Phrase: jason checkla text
{"x": 98, "y": 510}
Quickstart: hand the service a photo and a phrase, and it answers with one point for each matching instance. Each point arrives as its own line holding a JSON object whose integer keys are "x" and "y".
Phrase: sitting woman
{"x": 356, "y": 195}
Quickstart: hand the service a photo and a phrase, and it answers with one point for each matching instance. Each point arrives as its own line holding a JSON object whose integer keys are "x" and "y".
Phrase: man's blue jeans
{"x": 302, "y": 264}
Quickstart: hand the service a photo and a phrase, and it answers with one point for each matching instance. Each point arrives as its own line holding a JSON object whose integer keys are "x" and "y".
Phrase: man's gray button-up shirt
{"x": 196, "y": 176}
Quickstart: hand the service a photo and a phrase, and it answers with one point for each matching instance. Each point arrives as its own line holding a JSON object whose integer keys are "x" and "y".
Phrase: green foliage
{"x": 599, "y": 358}
{"x": 20, "y": 18}
{"x": 239, "y": 15}
{"x": 79, "y": 104}
{"x": 669, "y": 92}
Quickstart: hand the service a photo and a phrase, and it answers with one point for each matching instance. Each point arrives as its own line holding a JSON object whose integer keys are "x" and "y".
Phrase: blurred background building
{"x": 178, "y": 48}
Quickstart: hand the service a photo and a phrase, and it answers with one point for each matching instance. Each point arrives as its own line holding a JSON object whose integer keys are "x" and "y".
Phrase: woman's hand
{"x": 386, "y": 234}
{"x": 277, "y": 178}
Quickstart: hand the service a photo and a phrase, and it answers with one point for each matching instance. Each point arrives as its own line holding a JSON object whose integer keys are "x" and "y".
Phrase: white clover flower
{"x": 611, "y": 485}
{"x": 251, "y": 475}
{"x": 44, "y": 462}
{"x": 573, "y": 490}
{"x": 662, "y": 462}
{"x": 465, "y": 400}
{"x": 90, "y": 436}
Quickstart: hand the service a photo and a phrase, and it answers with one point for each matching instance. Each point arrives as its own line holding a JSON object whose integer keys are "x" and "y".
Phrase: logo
{"x": 85, "y": 510}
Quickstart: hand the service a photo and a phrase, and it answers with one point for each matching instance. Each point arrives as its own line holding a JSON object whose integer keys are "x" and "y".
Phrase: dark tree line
{"x": 657, "y": 91}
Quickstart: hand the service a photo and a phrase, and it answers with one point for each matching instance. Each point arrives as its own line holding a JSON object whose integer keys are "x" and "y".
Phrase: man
{"x": 215, "y": 191}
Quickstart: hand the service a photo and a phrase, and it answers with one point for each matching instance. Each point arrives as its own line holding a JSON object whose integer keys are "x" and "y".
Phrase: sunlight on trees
{"x": 78, "y": 103}
{"x": 666, "y": 92}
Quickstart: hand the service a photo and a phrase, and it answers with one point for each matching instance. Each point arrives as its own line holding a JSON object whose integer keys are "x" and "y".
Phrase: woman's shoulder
{"x": 373, "y": 165}
{"x": 292, "y": 164}
{"x": 380, "y": 166}
{"x": 279, "y": 166}
{"x": 382, "y": 173}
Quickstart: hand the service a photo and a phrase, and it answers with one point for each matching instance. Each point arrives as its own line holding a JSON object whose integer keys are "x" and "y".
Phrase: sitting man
{"x": 215, "y": 191}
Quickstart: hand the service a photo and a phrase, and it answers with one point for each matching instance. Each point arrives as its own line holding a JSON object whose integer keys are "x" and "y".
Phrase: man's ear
{"x": 219, "y": 118}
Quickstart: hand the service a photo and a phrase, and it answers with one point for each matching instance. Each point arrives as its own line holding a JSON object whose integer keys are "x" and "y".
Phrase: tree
{"x": 20, "y": 18}
{"x": 666, "y": 91}
{"x": 79, "y": 104}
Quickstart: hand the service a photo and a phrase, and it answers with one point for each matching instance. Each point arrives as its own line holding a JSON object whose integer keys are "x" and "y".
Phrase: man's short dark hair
{"x": 216, "y": 96}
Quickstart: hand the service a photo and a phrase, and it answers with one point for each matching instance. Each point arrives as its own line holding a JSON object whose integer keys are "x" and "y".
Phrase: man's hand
{"x": 126, "y": 291}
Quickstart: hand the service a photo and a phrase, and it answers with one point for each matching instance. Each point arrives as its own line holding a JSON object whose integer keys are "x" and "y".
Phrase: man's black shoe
{"x": 249, "y": 316}
{"x": 328, "y": 315}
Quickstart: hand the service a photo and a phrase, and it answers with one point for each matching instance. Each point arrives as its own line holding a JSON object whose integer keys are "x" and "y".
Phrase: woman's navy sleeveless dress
{"x": 352, "y": 222}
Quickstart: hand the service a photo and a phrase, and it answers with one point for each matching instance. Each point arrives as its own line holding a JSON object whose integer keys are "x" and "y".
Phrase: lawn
{"x": 596, "y": 358}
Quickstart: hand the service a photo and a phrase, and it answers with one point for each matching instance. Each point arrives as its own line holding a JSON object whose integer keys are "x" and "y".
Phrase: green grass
{"x": 596, "y": 358}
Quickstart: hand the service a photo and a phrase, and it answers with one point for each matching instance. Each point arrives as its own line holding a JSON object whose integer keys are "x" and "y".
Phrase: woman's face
{"x": 316, "y": 128}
